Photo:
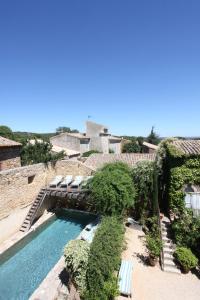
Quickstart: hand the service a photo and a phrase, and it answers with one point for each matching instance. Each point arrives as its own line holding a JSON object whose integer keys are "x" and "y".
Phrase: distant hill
{"x": 22, "y": 135}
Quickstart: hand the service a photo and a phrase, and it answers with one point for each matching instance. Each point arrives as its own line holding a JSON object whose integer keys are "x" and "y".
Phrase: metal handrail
{"x": 37, "y": 208}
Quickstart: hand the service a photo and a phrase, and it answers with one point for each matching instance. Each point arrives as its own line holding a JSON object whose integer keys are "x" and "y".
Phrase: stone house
{"x": 149, "y": 148}
{"x": 96, "y": 138}
{"x": 9, "y": 154}
{"x": 181, "y": 176}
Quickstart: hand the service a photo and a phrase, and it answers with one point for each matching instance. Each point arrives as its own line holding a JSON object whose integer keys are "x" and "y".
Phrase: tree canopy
{"x": 153, "y": 137}
{"x": 6, "y": 132}
{"x": 40, "y": 152}
{"x": 112, "y": 190}
{"x": 62, "y": 129}
{"x": 131, "y": 147}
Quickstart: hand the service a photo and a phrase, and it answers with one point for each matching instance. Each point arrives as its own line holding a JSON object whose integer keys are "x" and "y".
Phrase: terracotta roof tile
{"x": 188, "y": 147}
{"x": 7, "y": 143}
{"x": 151, "y": 146}
{"x": 98, "y": 160}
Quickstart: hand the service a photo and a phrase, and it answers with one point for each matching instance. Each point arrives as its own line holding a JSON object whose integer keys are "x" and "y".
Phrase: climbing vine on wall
{"x": 178, "y": 170}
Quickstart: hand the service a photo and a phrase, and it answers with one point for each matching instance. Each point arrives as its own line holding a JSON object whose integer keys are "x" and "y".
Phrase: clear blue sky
{"x": 130, "y": 64}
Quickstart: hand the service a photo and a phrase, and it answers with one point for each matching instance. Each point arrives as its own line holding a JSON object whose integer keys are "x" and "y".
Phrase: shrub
{"x": 186, "y": 258}
{"x": 186, "y": 231}
{"x": 76, "y": 260}
{"x": 152, "y": 225}
{"x": 117, "y": 166}
{"x": 154, "y": 245}
{"x": 111, "y": 151}
{"x": 143, "y": 178}
{"x": 39, "y": 153}
{"x": 104, "y": 259}
{"x": 111, "y": 190}
{"x": 88, "y": 153}
{"x": 131, "y": 147}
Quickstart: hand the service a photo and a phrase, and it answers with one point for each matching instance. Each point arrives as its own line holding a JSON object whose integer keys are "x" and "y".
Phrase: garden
{"x": 115, "y": 192}
{"x": 180, "y": 170}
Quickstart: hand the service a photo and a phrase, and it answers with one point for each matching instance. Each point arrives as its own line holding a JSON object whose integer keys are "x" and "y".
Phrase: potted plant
{"x": 154, "y": 246}
{"x": 185, "y": 258}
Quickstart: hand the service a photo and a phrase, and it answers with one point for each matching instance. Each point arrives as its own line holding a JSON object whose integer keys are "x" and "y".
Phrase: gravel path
{"x": 150, "y": 283}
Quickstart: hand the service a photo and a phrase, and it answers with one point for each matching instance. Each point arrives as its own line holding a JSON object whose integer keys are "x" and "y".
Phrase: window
{"x": 31, "y": 178}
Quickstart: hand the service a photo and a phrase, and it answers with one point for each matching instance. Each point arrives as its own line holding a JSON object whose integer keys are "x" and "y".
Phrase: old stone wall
{"x": 115, "y": 146}
{"x": 66, "y": 141}
{"x": 99, "y": 143}
{"x": 20, "y": 186}
{"x": 9, "y": 158}
{"x": 84, "y": 146}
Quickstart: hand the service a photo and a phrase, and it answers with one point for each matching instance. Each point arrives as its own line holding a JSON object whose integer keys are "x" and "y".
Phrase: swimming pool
{"x": 29, "y": 262}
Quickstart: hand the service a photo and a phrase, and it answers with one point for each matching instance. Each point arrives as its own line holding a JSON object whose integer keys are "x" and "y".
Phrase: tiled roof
{"x": 7, "y": 143}
{"x": 74, "y": 134}
{"x": 98, "y": 160}
{"x": 188, "y": 147}
{"x": 149, "y": 145}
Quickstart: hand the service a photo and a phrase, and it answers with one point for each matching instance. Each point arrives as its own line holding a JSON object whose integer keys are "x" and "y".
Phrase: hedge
{"x": 104, "y": 260}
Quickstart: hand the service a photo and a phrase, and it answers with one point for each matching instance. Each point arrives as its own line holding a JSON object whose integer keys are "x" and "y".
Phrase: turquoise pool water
{"x": 31, "y": 261}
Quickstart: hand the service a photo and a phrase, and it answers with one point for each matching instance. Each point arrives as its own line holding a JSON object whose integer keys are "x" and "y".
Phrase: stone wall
{"x": 84, "y": 146}
{"x": 115, "y": 146}
{"x": 66, "y": 141}
{"x": 20, "y": 186}
{"x": 9, "y": 158}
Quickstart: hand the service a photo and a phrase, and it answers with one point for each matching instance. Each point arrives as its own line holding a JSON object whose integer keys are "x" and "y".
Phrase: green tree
{"x": 118, "y": 165}
{"x": 111, "y": 191}
{"x": 62, "y": 129}
{"x": 132, "y": 147}
{"x": 39, "y": 153}
{"x": 153, "y": 137}
{"x": 143, "y": 178}
{"x": 6, "y": 132}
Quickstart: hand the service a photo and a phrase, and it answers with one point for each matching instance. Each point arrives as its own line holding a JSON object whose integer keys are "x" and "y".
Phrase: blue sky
{"x": 130, "y": 64}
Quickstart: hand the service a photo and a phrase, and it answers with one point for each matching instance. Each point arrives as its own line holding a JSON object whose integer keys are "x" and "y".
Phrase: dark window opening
{"x": 30, "y": 179}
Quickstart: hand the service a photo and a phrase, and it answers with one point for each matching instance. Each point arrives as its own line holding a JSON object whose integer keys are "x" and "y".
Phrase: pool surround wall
{"x": 18, "y": 191}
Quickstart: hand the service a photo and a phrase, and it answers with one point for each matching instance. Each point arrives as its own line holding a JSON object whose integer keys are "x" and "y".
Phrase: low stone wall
{"x": 20, "y": 186}
{"x": 10, "y": 158}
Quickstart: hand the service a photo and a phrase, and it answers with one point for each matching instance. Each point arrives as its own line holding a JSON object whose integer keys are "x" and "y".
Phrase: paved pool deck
{"x": 151, "y": 283}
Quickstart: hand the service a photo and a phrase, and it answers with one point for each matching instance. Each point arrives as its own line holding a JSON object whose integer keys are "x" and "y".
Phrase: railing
{"x": 160, "y": 232}
{"x": 37, "y": 208}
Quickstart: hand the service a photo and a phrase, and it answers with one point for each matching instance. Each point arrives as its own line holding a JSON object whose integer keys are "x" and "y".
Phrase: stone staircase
{"x": 33, "y": 210}
{"x": 168, "y": 248}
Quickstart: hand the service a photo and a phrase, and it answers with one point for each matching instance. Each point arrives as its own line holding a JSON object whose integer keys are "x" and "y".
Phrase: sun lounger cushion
{"x": 125, "y": 277}
{"x": 56, "y": 180}
{"x": 77, "y": 181}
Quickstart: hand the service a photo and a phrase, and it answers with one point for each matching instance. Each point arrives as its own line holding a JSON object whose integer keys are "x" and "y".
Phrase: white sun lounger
{"x": 125, "y": 277}
{"x": 86, "y": 179}
{"x": 56, "y": 181}
{"x": 67, "y": 180}
{"x": 77, "y": 182}
{"x": 88, "y": 235}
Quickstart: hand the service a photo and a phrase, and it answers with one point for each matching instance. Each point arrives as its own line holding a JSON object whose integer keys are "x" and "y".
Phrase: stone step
{"x": 166, "y": 240}
{"x": 168, "y": 263}
{"x": 164, "y": 233}
{"x": 167, "y": 255}
{"x": 172, "y": 269}
{"x": 167, "y": 250}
